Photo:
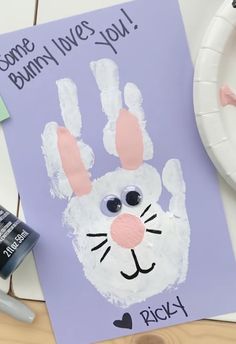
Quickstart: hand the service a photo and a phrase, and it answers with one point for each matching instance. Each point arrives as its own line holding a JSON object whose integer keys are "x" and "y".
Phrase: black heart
{"x": 126, "y": 322}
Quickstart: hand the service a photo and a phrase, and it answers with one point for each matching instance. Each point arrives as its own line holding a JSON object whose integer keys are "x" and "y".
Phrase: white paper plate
{"x": 215, "y": 68}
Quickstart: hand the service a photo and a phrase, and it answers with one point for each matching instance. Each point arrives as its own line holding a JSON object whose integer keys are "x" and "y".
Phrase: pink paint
{"x": 72, "y": 163}
{"x": 227, "y": 96}
{"x": 129, "y": 140}
{"x": 127, "y": 231}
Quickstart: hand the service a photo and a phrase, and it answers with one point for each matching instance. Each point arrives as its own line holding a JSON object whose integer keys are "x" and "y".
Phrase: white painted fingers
{"x": 59, "y": 184}
{"x": 106, "y": 74}
{"x": 134, "y": 100}
{"x": 173, "y": 180}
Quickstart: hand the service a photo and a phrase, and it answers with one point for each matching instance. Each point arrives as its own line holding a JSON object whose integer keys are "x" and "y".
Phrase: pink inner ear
{"x": 72, "y": 163}
{"x": 129, "y": 140}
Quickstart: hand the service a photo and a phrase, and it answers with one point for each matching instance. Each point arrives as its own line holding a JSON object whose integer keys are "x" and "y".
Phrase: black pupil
{"x": 114, "y": 205}
{"x": 133, "y": 198}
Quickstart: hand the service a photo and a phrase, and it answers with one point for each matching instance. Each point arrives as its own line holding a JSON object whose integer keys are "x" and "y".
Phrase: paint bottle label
{"x": 16, "y": 241}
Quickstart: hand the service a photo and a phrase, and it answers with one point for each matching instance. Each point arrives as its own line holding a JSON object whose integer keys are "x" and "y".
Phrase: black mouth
{"x": 108, "y": 249}
{"x": 139, "y": 270}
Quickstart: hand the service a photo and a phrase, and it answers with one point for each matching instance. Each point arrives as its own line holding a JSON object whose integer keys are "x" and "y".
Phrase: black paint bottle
{"x": 16, "y": 241}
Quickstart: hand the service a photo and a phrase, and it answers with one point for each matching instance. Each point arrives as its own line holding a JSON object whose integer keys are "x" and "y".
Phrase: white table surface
{"x": 196, "y": 16}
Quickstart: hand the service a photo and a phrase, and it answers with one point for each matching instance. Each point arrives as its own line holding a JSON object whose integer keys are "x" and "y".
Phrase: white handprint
{"x": 129, "y": 247}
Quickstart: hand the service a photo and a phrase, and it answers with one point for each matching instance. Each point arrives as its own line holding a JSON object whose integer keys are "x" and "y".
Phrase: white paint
{"x": 70, "y": 111}
{"x": 59, "y": 184}
{"x": 67, "y": 93}
{"x": 196, "y": 16}
{"x": 87, "y": 154}
{"x": 134, "y": 100}
{"x": 106, "y": 74}
{"x": 174, "y": 183}
{"x": 169, "y": 250}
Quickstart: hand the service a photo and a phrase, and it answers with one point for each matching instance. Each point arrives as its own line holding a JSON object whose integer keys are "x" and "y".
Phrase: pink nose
{"x": 127, "y": 231}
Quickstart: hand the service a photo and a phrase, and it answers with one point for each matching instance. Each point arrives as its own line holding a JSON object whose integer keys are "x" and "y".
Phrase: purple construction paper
{"x": 155, "y": 56}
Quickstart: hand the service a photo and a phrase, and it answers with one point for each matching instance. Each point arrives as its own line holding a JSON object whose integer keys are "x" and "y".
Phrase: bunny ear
{"x": 59, "y": 184}
{"x": 129, "y": 140}
{"x": 72, "y": 163}
{"x": 134, "y": 100}
{"x": 106, "y": 74}
{"x": 67, "y": 157}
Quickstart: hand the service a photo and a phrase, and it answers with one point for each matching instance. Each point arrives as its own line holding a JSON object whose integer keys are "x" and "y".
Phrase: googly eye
{"x": 111, "y": 205}
{"x": 132, "y": 196}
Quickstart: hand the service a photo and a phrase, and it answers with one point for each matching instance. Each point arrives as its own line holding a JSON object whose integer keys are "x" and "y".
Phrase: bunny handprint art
{"x": 129, "y": 247}
{"x": 112, "y": 174}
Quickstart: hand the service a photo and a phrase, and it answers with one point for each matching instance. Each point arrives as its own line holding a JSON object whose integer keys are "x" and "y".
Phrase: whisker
{"x": 151, "y": 218}
{"x": 105, "y": 254}
{"x": 93, "y": 235}
{"x": 154, "y": 231}
{"x": 145, "y": 210}
{"x": 99, "y": 246}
